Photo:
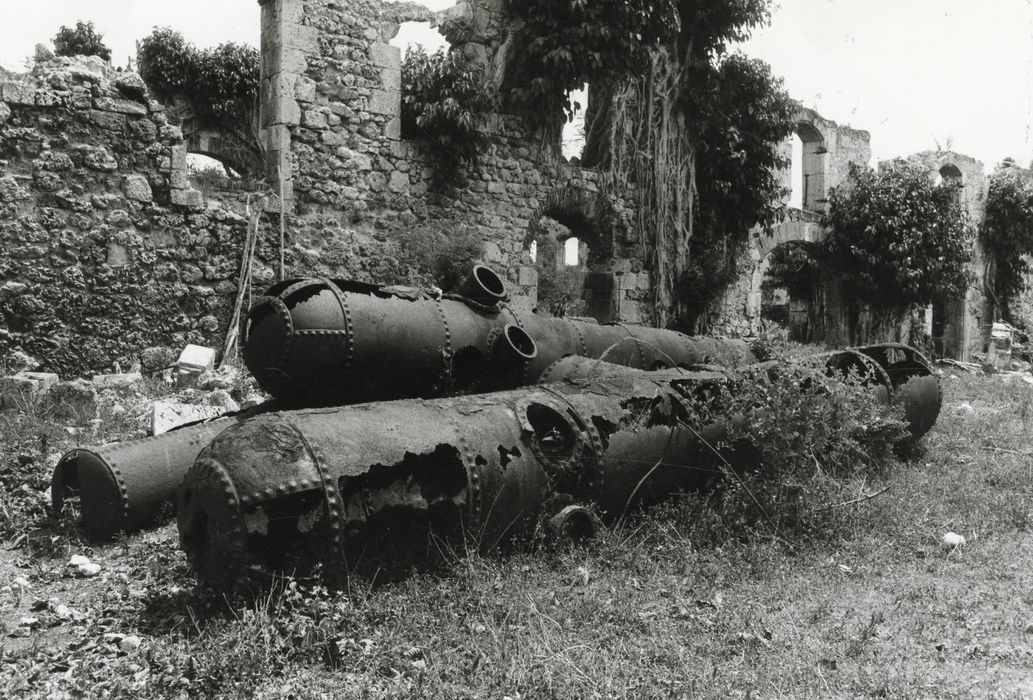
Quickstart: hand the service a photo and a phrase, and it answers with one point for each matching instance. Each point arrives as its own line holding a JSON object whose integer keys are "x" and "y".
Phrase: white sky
{"x": 908, "y": 71}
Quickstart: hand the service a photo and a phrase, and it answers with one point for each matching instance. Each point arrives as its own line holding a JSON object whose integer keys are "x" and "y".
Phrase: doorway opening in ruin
{"x": 791, "y": 291}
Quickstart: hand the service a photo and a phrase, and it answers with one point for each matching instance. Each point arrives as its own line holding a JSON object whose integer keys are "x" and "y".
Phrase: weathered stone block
{"x": 5, "y": 112}
{"x": 18, "y": 93}
{"x": 112, "y": 121}
{"x": 305, "y": 89}
{"x": 631, "y": 312}
{"x": 137, "y": 188}
{"x": 387, "y": 102}
{"x": 125, "y": 383}
{"x": 393, "y": 128}
{"x": 74, "y": 400}
{"x": 187, "y": 198}
{"x": 313, "y": 119}
{"x": 17, "y": 390}
{"x": 111, "y": 104}
{"x": 117, "y": 255}
{"x": 398, "y": 182}
{"x": 386, "y": 56}
{"x": 166, "y": 415}
{"x": 179, "y": 157}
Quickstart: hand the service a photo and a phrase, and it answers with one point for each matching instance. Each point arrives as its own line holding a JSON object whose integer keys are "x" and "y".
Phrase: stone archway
{"x": 800, "y": 228}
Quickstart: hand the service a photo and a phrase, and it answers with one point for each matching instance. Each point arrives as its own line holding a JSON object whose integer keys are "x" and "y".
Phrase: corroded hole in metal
{"x": 659, "y": 364}
{"x": 397, "y": 515}
{"x": 552, "y": 432}
{"x": 279, "y": 531}
{"x": 507, "y": 454}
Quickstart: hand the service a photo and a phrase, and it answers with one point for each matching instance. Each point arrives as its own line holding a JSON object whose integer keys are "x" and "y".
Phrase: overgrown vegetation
{"x": 438, "y": 254}
{"x": 896, "y": 240}
{"x": 220, "y": 86}
{"x": 444, "y": 103}
{"x": 82, "y": 40}
{"x": 695, "y": 129}
{"x": 1007, "y": 232}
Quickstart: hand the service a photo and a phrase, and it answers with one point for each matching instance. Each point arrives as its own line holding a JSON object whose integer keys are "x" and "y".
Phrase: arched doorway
{"x": 790, "y": 290}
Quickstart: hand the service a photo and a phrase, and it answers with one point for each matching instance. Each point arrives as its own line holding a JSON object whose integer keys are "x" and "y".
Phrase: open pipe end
{"x": 483, "y": 286}
{"x": 88, "y": 476}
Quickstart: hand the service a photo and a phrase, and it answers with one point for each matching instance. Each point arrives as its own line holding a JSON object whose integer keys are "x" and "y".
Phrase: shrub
{"x": 83, "y": 40}
{"x": 1007, "y": 228}
{"x": 443, "y": 102}
{"x": 438, "y": 253}
{"x": 814, "y": 434}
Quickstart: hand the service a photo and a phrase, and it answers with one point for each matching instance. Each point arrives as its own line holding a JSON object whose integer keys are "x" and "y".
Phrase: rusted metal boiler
{"x": 321, "y": 342}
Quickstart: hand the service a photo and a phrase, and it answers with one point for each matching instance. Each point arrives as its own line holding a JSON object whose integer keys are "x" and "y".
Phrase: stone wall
{"x": 331, "y": 105}
{"x": 106, "y": 249}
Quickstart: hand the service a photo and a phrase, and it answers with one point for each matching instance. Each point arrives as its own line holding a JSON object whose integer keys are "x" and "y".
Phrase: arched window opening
{"x": 812, "y": 168}
{"x": 572, "y": 252}
{"x": 532, "y": 250}
{"x": 572, "y": 139}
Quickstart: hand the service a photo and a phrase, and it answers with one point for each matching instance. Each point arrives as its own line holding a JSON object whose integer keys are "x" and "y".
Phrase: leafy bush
{"x": 814, "y": 433}
{"x": 220, "y": 84}
{"x": 897, "y": 239}
{"x": 83, "y": 40}
{"x": 1007, "y": 228}
{"x": 563, "y": 45}
{"x": 443, "y": 102}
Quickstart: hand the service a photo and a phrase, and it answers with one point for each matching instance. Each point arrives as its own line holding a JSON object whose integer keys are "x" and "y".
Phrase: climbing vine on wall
{"x": 669, "y": 111}
{"x": 1007, "y": 229}
{"x": 220, "y": 84}
{"x": 443, "y": 102}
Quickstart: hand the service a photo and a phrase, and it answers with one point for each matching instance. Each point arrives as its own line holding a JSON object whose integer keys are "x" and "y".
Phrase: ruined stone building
{"x": 108, "y": 248}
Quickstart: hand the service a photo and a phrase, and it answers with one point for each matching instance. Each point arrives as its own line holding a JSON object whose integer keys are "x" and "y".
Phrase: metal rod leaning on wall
{"x": 328, "y": 342}
{"x": 385, "y": 485}
{"x": 124, "y": 487}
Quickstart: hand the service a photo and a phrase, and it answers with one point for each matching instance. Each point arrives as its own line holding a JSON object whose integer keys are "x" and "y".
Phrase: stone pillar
{"x": 286, "y": 46}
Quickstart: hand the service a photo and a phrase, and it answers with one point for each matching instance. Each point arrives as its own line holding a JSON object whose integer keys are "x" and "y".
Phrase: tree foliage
{"x": 443, "y": 102}
{"x": 1007, "y": 229}
{"x": 563, "y": 45}
{"x": 220, "y": 84}
{"x": 82, "y": 40}
{"x": 897, "y": 238}
{"x": 744, "y": 114}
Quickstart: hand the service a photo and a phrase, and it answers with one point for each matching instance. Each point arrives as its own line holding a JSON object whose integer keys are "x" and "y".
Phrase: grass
{"x": 672, "y": 604}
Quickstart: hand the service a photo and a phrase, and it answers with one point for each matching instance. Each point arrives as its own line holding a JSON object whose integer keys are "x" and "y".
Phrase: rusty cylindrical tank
{"x": 384, "y": 485}
{"x": 123, "y": 487}
{"x": 317, "y": 342}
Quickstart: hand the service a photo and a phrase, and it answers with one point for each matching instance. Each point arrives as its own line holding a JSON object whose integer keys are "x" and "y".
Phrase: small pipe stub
{"x": 574, "y": 523}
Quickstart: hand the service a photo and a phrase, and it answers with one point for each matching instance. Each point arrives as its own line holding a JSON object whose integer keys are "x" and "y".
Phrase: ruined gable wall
{"x": 106, "y": 250}
{"x": 331, "y": 104}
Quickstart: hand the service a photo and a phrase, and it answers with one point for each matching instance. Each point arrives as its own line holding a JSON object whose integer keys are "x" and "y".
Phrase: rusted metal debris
{"x": 388, "y": 484}
{"x": 318, "y": 342}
